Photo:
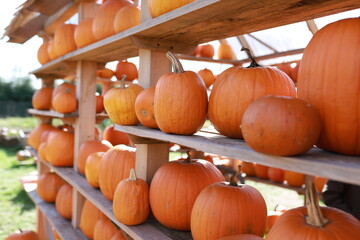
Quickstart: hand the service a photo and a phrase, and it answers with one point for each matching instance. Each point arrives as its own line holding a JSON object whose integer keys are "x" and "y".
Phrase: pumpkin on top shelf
{"x": 160, "y": 7}
{"x": 64, "y": 41}
{"x": 83, "y": 33}
{"x": 126, "y": 68}
{"x": 41, "y": 100}
{"x": 208, "y": 77}
{"x": 127, "y": 17}
{"x": 144, "y": 107}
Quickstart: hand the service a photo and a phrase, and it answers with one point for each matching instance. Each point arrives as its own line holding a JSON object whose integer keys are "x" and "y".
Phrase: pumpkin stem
{"x": 315, "y": 217}
{"x": 132, "y": 176}
{"x": 20, "y": 230}
{"x": 122, "y": 86}
{"x": 188, "y": 159}
{"x": 253, "y": 62}
{"x": 232, "y": 178}
{"x": 176, "y": 64}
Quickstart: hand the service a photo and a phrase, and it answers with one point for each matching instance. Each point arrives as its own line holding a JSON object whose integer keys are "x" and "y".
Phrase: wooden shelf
{"x": 54, "y": 114}
{"x": 316, "y": 162}
{"x": 201, "y": 21}
{"x": 299, "y": 190}
{"x": 62, "y": 226}
{"x": 150, "y": 230}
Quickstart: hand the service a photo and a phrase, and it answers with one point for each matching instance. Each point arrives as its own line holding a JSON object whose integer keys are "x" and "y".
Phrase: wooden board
{"x": 316, "y": 162}
{"x": 43, "y": 113}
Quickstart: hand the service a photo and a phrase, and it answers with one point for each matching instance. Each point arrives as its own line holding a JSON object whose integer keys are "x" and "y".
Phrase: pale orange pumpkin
{"x": 92, "y": 168}
{"x": 225, "y": 52}
{"x": 48, "y": 186}
{"x": 159, "y": 7}
{"x": 42, "y": 54}
{"x": 208, "y": 77}
{"x": 90, "y": 214}
{"x": 51, "y": 50}
{"x": 83, "y": 34}
{"x": 64, "y": 41}
{"x": 144, "y": 107}
{"x": 41, "y": 99}
{"x": 104, "y": 229}
{"x": 63, "y": 201}
{"x": 127, "y": 17}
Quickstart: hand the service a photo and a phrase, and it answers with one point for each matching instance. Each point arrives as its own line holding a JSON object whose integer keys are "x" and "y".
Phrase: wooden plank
{"x": 47, "y": 7}
{"x": 312, "y": 26}
{"x": 316, "y": 162}
{"x": 52, "y": 113}
{"x": 62, "y": 15}
{"x": 78, "y": 201}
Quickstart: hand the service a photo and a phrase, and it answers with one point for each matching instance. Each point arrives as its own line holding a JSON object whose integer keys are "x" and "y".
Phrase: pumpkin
{"x": 314, "y": 222}
{"x": 224, "y": 209}
{"x": 114, "y": 167}
{"x": 131, "y": 200}
{"x": 90, "y": 214}
{"x": 276, "y": 174}
{"x": 173, "y": 190}
{"x": 241, "y": 237}
{"x": 160, "y": 7}
{"x": 48, "y": 186}
{"x": 105, "y": 73}
{"x": 104, "y": 229}
{"x": 64, "y": 41}
{"x": 115, "y": 137}
{"x": 42, "y": 54}
{"x": 119, "y": 236}
{"x": 103, "y": 24}
{"x": 205, "y": 50}
{"x": 180, "y": 103}
{"x": 23, "y": 235}
{"x": 248, "y": 168}
{"x": 83, "y": 34}
{"x": 272, "y": 217}
{"x": 281, "y": 126}
{"x": 127, "y": 17}
{"x": 286, "y": 68}
{"x": 327, "y": 81}
{"x": 225, "y": 51}
{"x": 295, "y": 72}
{"x": 261, "y": 171}
{"x": 207, "y": 76}
{"x": 41, "y": 99}
{"x": 126, "y": 68}
{"x": 144, "y": 107}
{"x": 60, "y": 148}
{"x": 92, "y": 168}
{"x": 35, "y": 135}
{"x": 119, "y": 104}
{"x": 51, "y": 50}
{"x": 89, "y": 147}
{"x": 64, "y": 102}
{"x": 63, "y": 201}
{"x": 99, "y": 107}
{"x": 320, "y": 183}
{"x": 294, "y": 179}
{"x": 65, "y": 86}
{"x": 237, "y": 87}
{"x": 56, "y": 234}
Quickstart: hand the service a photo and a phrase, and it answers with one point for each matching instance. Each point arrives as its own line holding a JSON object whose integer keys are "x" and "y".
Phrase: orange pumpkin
{"x": 276, "y": 174}
{"x": 42, "y": 54}
{"x": 51, "y": 50}
{"x": 272, "y": 217}
{"x": 48, "y": 186}
{"x": 90, "y": 214}
{"x": 23, "y": 235}
{"x": 241, "y": 237}
{"x": 131, "y": 200}
{"x": 42, "y": 151}
{"x": 160, "y": 7}
{"x": 99, "y": 107}
{"x": 238, "y": 87}
{"x": 119, "y": 236}
{"x": 126, "y": 68}
{"x": 127, "y": 17}
{"x": 327, "y": 81}
{"x": 41, "y": 99}
{"x": 34, "y": 138}
{"x": 295, "y": 72}
{"x": 64, "y": 41}
{"x": 115, "y": 137}
{"x": 248, "y": 168}
{"x": 63, "y": 88}
{"x": 60, "y": 148}
{"x": 63, "y": 201}
{"x": 261, "y": 171}
{"x": 92, "y": 168}
{"x": 173, "y": 97}
{"x": 144, "y": 107}
{"x": 104, "y": 229}
{"x": 103, "y": 24}
{"x": 294, "y": 179}
{"x": 114, "y": 167}
{"x": 105, "y": 73}
{"x": 286, "y": 68}
{"x": 173, "y": 192}
{"x": 83, "y": 34}
{"x": 225, "y": 52}
{"x": 207, "y": 76}
{"x": 205, "y": 50}
{"x": 64, "y": 102}
{"x": 320, "y": 183}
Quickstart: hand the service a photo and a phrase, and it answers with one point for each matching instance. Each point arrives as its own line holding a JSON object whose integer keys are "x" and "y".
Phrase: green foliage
{"x": 19, "y": 123}
{"x": 20, "y": 90}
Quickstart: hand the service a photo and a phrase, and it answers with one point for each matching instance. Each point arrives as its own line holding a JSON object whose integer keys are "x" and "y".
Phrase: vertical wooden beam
{"x": 43, "y": 227}
{"x": 78, "y": 203}
{"x": 145, "y": 15}
{"x": 312, "y": 26}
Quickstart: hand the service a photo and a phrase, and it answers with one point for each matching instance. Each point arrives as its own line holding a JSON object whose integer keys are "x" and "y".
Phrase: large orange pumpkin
{"x": 126, "y": 68}
{"x": 294, "y": 179}
{"x": 208, "y": 77}
{"x": 64, "y": 41}
{"x": 127, "y": 17}
{"x": 83, "y": 34}
{"x": 103, "y": 24}
{"x": 241, "y": 237}
{"x": 92, "y": 168}
{"x": 60, "y": 148}
{"x": 23, "y": 235}
{"x": 281, "y": 126}
{"x": 90, "y": 214}
{"x": 225, "y": 52}
{"x": 34, "y": 138}
{"x": 180, "y": 103}
{"x": 115, "y": 137}
{"x": 42, "y": 54}
{"x": 173, "y": 190}
{"x": 63, "y": 201}
{"x": 144, "y": 107}
{"x": 63, "y": 87}
{"x": 114, "y": 167}
{"x": 64, "y": 102}
{"x": 119, "y": 236}
{"x": 104, "y": 229}
{"x": 89, "y": 147}
{"x": 41, "y": 99}
{"x": 327, "y": 81}
{"x": 224, "y": 209}
{"x": 159, "y": 7}
{"x": 237, "y": 87}
{"x": 48, "y": 186}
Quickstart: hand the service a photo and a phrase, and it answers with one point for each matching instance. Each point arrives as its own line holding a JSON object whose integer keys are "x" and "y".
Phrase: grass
{"x": 17, "y": 122}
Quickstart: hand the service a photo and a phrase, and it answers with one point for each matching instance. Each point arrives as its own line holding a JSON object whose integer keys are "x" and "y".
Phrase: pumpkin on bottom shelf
{"x": 294, "y": 179}
{"x": 48, "y": 186}
{"x": 63, "y": 201}
{"x": 25, "y": 235}
{"x": 90, "y": 214}
{"x": 241, "y": 237}
{"x": 104, "y": 229}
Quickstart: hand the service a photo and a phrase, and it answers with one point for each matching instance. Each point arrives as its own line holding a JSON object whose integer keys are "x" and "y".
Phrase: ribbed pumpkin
{"x": 127, "y": 17}
{"x": 180, "y": 102}
{"x": 103, "y": 24}
{"x": 90, "y": 214}
{"x": 51, "y": 50}
{"x": 119, "y": 236}
{"x": 42, "y": 54}
{"x": 64, "y": 102}
{"x": 205, "y": 50}
{"x": 60, "y": 148}
{"x": 261, "y": 171}
{"x": 248, "y": 168}
{"x": 48, "y": 186}
{"x": 314, "y": 222}
{"x": 126, "y": 68}
{"x": 115, "y": 137}
{"x": 175, "y": 187}
{"x": 34, "y": 138}
{"x": 64, "y": 41}
{"x": 224, "y": 209}
{"x": 144, "y": 107}
{"x": 63, "y": 202}
{"x": 327, "y": 81}
{"x": 286, "y": 68}
{"x": 225, "y": 52}
{"x": 23, "y": 235}
{"x": 119, "y": 104}
{"x": 114, "y": 167}
{"x": 63, "y": 87}
{"x": 272, "y": 217}
{"x": 99, "y": 107}
{"x": 159, "y": 7}
{"x": 89, "y": 147}
{"x": 92, "y": 168}
{"x": 237, "y": 87}
{"x": 104, "y": 229}
{"x": 241, "y": 237}
{"x": 83, "y": 34}
{"x": 294, "y": 179}
{"x": 131, "y": 200}
{"x": 276, "y": 174}
{"x": 281, "y": 126}
{"x": 208, "y": 77}
{"x": 41, "y": 99}
{"x": 105, "y": 73}
{"x": 42, "y": 151}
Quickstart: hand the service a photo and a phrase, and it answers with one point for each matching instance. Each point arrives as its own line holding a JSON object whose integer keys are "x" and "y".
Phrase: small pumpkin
{"x": 144, "y": 107}
{"x": 261, "y": 171}
{"x": 63, "y": 201}
{"x": 127, "y": 17}
{"x": 42, "y": 54}
{"x": 23, "y": 235}
{"x": 60, "y": 148}
{"x": 90, "y": 214}
{"x": 99, "y": 107}
{"x": 294, "y": 179}
{"x": 208, "y": 77}
{"x": 126, "y": 68}
{"x": 105, "y": 73}
{"x": 225, "y": 51}
{"x": 276, "y": 174}
{"x": 92, "y": 168}
{"x": 205, "y": 50}
{"x": 64, "y": 41}
{"x": 160, "y": 7}
{"x": 48, "y": 186}
{"x": 104, "y": 229}
{"x": 41, "y": 99}
{"x": 34, "y": 138}
{"x": 64, "y": 102}
{"x": 115, "y": 137}
{"x": 248, "y": 168}
{"x": 83, "y": 34}
{"x": 119, "y": 236}
{"x": 51, "y": 50}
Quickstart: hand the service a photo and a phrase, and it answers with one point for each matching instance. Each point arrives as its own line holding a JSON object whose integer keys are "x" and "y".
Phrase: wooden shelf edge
{"x": 54, "y": 114}
{"x": 316, "y": 162}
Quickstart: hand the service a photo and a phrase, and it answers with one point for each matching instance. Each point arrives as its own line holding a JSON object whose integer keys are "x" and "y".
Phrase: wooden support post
{"x": 78, "y": 203}
{"x": 43, "y": 228}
